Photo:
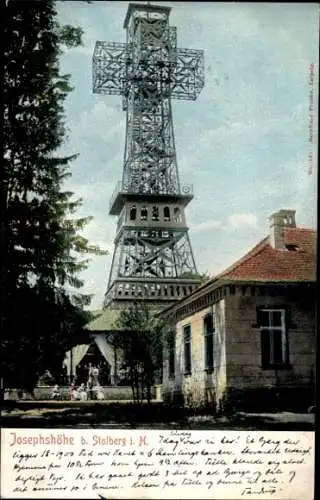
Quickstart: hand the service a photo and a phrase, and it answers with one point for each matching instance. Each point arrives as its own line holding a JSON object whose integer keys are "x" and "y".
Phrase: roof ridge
{"x": 251, "y": 253}
{"x": 301, "y": 229}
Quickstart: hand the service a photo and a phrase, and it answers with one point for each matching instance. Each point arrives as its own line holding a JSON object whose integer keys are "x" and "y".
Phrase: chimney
{"x": 278, "y": 222}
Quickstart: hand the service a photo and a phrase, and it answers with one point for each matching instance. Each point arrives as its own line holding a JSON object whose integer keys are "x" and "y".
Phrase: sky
{"x": 244, "y": 144}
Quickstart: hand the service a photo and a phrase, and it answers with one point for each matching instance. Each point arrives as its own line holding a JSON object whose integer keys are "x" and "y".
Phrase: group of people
{"x": 83, "y": 393}
{"x": 91, "y": 390}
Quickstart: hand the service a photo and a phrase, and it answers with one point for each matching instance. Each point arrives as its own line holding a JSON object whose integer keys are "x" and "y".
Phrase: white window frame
{"x": 272, "y": 328}
{"x": 172, "y": 352}
{"x": 186, "y": 372}
{"x": 205, "y": 338}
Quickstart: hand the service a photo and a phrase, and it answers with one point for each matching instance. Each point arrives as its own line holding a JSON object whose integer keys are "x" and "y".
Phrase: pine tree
{"x": 41, "y": 243}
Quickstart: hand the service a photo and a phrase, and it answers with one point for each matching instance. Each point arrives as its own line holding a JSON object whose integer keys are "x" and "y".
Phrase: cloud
{"x": 92, "y": 191}
{"x": 237, "y": 221}
{"x": 208, "y": 224}
{"x": 102, "y": 121}
{"x": 99, "y": 235}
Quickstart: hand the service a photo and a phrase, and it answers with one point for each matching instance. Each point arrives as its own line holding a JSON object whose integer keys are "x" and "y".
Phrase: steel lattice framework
{"x": 153, "y": 259}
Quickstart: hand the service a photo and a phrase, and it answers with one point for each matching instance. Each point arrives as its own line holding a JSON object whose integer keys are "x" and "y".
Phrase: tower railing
{"x": 121, "y": 190}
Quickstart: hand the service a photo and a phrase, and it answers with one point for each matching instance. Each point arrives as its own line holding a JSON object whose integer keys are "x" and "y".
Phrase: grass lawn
{"x": 157, "y": 415}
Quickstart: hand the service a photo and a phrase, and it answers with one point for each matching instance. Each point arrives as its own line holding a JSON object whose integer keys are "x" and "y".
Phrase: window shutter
{"x": 277, "y": 343}
{"x": 265, "y": 348}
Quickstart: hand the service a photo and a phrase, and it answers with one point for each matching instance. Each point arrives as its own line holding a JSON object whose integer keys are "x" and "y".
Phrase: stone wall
{"x": 199, "y": 388}
{"x": 111, "y": 393}
{"x": 243, "y": 339}
{"x": 238, "y": 379}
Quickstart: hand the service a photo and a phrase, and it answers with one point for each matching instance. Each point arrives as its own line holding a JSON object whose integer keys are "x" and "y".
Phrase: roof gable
{"x": 297, "y": 262}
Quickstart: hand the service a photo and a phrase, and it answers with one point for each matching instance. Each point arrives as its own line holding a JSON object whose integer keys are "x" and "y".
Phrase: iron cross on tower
{"x": 152, "y": 259}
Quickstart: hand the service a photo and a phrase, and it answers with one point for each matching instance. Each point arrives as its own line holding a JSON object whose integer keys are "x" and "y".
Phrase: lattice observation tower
{"x": 153, "y": 259}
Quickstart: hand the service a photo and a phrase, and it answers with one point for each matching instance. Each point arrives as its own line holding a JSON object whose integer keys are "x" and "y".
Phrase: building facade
{"x": 247, "y": 337}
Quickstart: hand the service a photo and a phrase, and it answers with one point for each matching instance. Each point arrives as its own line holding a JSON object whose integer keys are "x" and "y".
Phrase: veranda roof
{"x": 104, "y": 320}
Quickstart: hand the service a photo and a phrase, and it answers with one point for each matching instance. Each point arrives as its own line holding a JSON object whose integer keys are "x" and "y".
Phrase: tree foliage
{"x": 140, "y": 337}
{"x": 40, "y": 243}
{"x": 201, "y": 277}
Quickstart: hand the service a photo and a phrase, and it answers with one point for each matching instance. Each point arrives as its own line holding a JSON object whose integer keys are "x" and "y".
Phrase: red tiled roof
{"x": 265, "y": 263}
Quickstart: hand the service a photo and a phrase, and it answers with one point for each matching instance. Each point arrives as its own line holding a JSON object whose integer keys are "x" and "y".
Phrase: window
{"x": 171, "y": 354}
{"x": 208, "y": 330}
{"x": 177, "y": 214}
{"x": 155, "y": 213}
{"x": 166, "y": 213}
{"x": 187, "y": 349}
{"x": 133, "y": 213}
{"x": 292, "y": 248}
{"x": 274, "y": 342}
{"x": 144, "y": 213}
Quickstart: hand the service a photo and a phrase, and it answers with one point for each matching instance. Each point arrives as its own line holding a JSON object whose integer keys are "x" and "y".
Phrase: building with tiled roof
{"x": 249, "y": 333}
